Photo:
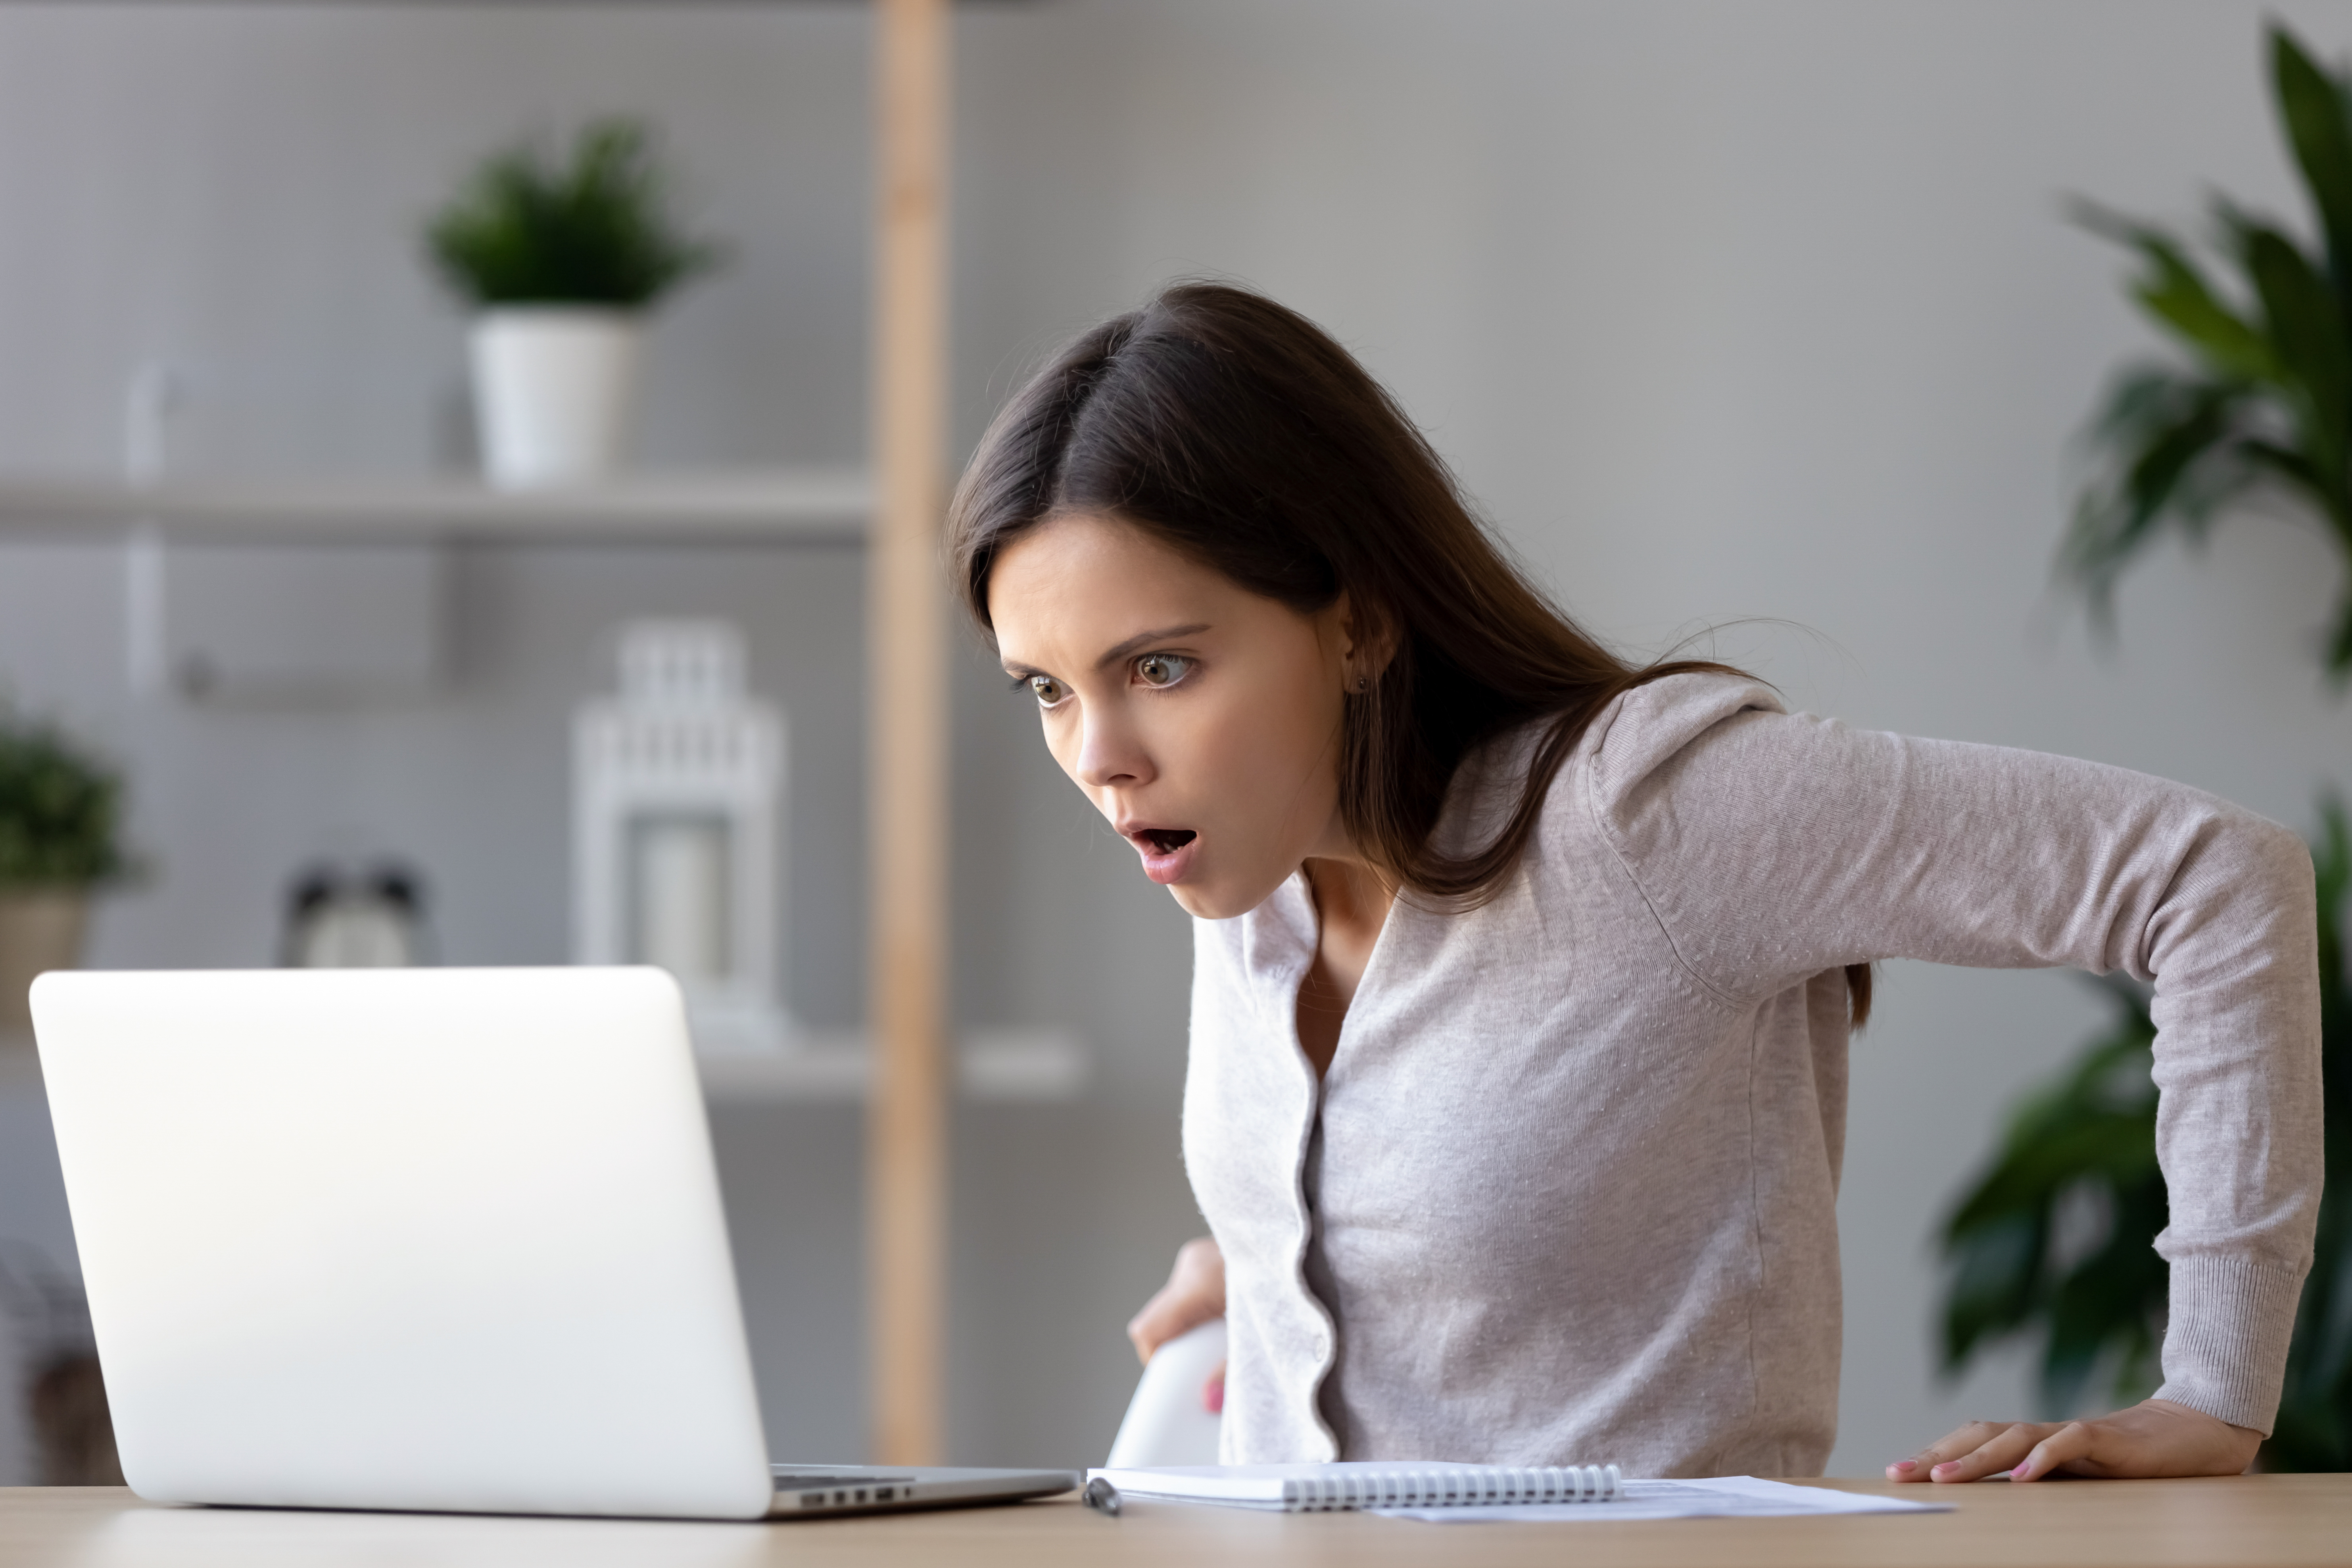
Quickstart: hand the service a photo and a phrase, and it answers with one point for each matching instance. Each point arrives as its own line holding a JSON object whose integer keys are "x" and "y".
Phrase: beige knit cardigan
{"x": 1567, "y": 1193}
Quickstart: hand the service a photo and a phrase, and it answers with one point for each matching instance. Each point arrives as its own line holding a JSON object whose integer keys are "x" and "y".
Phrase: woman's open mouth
{"x": 1167, "y": 851}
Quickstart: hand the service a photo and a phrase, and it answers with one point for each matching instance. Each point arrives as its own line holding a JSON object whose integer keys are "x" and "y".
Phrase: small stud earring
{"x": 1363, "y": 684}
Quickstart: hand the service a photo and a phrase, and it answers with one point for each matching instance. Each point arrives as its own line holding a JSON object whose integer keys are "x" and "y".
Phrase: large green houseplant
{"x": 2055, "y": 1235}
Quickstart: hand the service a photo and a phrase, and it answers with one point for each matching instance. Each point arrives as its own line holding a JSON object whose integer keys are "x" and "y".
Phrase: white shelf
{"x": 998, "y": 1066}
{"x": 783, "y": 505}
{"x": 994, "y": 1066}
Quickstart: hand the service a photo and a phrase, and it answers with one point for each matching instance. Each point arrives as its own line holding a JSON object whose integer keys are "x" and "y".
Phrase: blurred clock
{"x": 344, "y": 917}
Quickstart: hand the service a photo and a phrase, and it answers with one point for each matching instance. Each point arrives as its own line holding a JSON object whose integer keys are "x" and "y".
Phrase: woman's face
{"x": 1200, "y": 719}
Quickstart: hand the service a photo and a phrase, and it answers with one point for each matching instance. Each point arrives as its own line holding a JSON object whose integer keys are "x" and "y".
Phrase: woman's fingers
{"x": 1978, "y": 1450}
{"x": 1195, "y": 1292}
{"x": 1212, "y": 1393}
{"x": 1951, "y": 1446}
{"x": 1167, "y": 1315}
{"x": 1994, "y": 1455}
{"x": 2076, "y": 1440}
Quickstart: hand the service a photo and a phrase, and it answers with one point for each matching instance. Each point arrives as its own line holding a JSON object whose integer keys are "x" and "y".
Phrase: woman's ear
{"x": 1367, "y": 641}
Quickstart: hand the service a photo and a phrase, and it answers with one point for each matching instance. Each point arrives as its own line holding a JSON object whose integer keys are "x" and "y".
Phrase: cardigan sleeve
{"x": 1771, "y": 846}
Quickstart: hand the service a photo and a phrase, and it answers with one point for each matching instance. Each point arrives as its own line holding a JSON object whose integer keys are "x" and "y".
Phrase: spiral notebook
{"x": 1363, "y": 1484}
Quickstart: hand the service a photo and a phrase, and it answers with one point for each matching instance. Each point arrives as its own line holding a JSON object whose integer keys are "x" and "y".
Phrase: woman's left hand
{"x": 2154, "y": 1438}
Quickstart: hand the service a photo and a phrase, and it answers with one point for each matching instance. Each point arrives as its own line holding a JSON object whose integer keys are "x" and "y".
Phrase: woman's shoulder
{"x": 1643, "y": 728}
{"x": 1632, "y": 737}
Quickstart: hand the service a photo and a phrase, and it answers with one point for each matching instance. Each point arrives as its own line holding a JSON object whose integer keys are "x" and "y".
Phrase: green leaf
{"x": 2171, "y": 289}
{"x": 1998, "y": 1281}
{"x": 2305, "y": 328}
{"x": 2171, "y": 444}
{"x": 2338, "y": 660}
{"x": 2312, "y": 111}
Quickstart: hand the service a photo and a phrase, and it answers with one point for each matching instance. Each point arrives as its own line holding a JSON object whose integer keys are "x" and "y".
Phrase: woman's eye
{"x": 1049, "y": 691}
{"x": 1161, "y": 668}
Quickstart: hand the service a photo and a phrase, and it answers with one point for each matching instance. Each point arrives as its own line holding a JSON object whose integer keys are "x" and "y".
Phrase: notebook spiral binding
{"x": 1487, "y": 1484}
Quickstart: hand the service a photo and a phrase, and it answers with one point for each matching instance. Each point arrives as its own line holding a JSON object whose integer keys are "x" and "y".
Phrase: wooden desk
{"x": 2248, "y": 1521}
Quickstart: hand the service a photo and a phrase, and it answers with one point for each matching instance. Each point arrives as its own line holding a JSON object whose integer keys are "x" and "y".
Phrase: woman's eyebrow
{"x": 1144, "y": 640}
{"x": 1020, "y": 671}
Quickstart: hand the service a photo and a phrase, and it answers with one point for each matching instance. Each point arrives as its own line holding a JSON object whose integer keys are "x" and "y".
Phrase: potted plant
{"x": 2057, "y": 1234}
{"x": 61, "y": 811}
{"x": 560, "y": 263}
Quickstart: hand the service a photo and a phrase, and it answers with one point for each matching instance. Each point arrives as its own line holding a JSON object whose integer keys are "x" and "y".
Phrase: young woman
{"x": 1523, "y": 977}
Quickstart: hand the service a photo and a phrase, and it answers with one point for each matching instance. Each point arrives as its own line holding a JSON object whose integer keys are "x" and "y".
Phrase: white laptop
{"x": 422, "y": 1239}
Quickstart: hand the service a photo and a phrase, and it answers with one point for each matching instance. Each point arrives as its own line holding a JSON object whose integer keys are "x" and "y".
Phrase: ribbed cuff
{"x": 2225, "y": 1347}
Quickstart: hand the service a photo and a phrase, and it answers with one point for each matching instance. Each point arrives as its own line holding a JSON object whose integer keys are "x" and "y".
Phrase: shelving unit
{"x": 813, "y": 506}
{"x": 991, "y": 1067}
{"x": 896, "y": 514}
{"x": 994, "y": 1066}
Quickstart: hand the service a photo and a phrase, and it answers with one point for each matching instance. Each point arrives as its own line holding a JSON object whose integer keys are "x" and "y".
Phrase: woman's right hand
{"x": 1195, "y": 1292}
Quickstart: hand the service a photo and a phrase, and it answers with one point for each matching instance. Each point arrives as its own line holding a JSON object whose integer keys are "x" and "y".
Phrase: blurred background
{"x": 1762, "y": 318}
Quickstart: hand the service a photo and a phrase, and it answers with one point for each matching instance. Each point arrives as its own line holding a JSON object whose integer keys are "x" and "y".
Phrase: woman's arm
{"x": 1772, "y": 847}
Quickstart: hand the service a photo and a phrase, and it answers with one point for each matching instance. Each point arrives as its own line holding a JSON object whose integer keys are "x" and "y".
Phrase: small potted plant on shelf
{"x": 60, "y": 813}
{"x": 561, "y": 261}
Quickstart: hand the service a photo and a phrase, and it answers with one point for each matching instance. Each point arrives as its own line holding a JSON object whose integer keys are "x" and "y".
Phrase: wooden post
{"x": 906, "y": 750}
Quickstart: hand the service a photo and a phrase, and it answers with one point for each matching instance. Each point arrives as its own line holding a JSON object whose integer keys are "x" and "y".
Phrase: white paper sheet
{"x": 1721, "y": 1497}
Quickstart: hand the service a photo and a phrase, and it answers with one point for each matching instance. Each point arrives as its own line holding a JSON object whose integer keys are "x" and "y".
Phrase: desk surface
{"x": 2245, "y": 1521}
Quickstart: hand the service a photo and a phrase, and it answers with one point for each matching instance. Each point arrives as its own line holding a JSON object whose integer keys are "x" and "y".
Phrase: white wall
{"x": 1723, "y": 310}
{"x": 1726, "y": 310}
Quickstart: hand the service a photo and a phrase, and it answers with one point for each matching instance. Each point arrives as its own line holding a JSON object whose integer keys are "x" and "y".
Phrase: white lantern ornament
{"x": 678, "y": 783}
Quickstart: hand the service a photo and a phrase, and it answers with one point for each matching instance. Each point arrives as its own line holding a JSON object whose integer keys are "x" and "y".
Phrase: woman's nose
{"x": 1109, "y": 755}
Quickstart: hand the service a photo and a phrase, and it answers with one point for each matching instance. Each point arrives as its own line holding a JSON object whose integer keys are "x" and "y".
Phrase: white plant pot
{"x": 554, "y": 392}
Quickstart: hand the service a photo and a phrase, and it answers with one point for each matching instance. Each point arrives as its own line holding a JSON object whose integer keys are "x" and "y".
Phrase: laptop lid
{"x": 421, "y": 1239}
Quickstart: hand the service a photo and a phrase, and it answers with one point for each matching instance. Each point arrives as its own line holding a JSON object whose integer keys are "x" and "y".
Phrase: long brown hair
{"x": 1237, "y": 432}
